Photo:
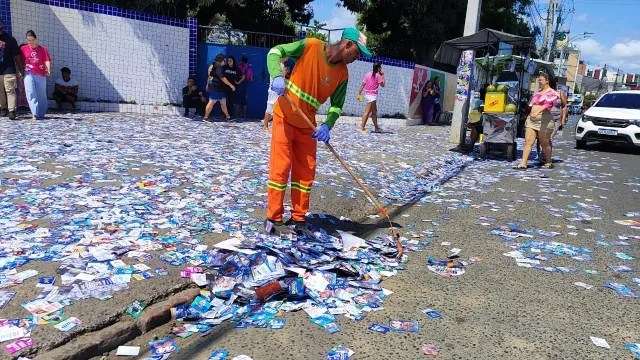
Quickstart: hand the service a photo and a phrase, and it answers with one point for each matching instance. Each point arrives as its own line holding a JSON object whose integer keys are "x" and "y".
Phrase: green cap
{"x": 356, "y": 36}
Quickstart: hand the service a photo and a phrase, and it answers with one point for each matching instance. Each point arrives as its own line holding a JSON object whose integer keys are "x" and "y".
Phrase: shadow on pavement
{"x": 359, "y": 228}
{"x": 613, "y": 148}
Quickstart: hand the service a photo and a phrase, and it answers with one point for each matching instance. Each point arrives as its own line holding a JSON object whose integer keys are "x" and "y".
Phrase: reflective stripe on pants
{"x": 293, "y": 152}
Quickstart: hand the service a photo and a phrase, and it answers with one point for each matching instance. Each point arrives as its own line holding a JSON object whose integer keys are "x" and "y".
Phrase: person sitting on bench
{"x": 66, "y": 89}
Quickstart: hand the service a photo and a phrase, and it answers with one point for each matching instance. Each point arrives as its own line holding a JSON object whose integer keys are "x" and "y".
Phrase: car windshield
{"x": 620, "y": 100}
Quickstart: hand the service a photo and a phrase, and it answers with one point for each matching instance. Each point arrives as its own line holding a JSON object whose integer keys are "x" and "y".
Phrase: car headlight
{"x": 586, "y": 118}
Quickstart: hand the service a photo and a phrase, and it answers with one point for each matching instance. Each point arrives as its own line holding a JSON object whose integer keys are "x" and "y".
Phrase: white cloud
{"x": 582, "y": 18}
{"x": 624, "y": 55}
{"x": 340, "y": 18}
{"x": 629, "y": 50}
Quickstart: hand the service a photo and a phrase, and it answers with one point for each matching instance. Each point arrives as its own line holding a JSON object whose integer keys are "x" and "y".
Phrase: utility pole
{"x": 548, "y": 28}
{"x": 555, "y": 36}
{"x": 461, "y": 106}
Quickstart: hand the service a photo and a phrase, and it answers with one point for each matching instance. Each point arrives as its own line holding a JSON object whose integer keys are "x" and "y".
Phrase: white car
{"x": 614, "y": 118}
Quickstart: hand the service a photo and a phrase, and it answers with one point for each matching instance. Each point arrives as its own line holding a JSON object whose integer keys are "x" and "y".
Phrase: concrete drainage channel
{"x": 120, "y": 331}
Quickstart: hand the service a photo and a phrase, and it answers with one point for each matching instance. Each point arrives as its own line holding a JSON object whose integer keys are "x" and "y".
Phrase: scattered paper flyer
{"x": 600, "y": 342}
{"x": 581, "y": 284}
{"x": 128, "y": 350}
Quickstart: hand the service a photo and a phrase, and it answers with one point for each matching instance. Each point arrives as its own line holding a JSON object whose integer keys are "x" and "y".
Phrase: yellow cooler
{"x": 495, "y": 102}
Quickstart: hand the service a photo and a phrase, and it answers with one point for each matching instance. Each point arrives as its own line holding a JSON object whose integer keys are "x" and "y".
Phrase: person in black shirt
{"x": 216, "y": 86}
{"x": 11, "y": 64}
{"x": 192, "y": 97}
{"x": 235, "y": 76}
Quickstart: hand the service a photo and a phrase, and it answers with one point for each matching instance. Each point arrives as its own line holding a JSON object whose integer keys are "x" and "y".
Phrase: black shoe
{"x": 186, "y": 114}
{"x": 300, "y": 228}
{"x": 3, "y": 113}
{"x": 12, "y": 115}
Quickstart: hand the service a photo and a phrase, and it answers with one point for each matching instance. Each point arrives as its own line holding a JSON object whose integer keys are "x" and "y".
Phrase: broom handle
{"x": 335, "y": 153}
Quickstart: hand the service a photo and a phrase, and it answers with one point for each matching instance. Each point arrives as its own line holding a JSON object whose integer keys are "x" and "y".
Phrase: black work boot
{"x": 4, "y": 112}
{"x": 300, "y": 228}
{"x": 12, "y": 115}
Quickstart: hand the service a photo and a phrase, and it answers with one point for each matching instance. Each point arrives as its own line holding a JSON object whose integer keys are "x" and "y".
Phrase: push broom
{"x": 396, "y": 237}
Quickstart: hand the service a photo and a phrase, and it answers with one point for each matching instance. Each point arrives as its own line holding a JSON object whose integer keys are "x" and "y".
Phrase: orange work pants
{"x": 293, "y": 151}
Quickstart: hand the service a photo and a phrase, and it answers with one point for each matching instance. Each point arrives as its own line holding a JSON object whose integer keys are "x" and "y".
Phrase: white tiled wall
{"x": 112, "y": 58}
{"x": 392, "y": 99}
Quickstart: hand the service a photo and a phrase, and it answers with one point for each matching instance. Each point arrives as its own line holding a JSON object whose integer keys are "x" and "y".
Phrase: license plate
{"x": 607, "y": 132}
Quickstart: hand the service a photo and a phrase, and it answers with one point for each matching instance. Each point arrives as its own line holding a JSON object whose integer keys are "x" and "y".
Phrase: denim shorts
{"x": 217, "y": 95}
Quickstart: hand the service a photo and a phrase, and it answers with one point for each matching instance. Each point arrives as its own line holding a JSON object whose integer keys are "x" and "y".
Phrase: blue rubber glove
{"x": 322, "y": 134}
{"x": 277, "y": 85}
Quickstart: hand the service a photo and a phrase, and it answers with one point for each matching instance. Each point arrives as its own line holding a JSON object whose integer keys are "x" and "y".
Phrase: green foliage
{"x": 588, "y": 98}
{"x": 576, "y": 89}
{"x": 413, "y": 29}
{"x": 315, "y": 31}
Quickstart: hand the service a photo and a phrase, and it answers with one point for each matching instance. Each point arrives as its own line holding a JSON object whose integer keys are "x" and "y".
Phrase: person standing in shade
{"x": 66, "y": 89}
{"x": 192, "y": 97}
{"x": 234, "y": 75}
{"x": 320, "y": 73}
{"x": 427, "y": 103}
{"x": 11, "y": 63}
{"x": 371, "y": 82}
{"x": 37, "y": 68}
{"x": 216, "y": 86}
{"x": 241, "y": 89}
{"x": 437, "y": 109}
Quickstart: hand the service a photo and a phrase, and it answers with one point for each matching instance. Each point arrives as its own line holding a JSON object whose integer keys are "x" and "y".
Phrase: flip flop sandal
{"x": 548, "y": 166}
{"x": 520, "y": 167}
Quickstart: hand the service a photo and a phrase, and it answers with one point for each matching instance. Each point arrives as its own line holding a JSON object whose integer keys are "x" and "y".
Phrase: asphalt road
{"x": 496, "y": 309}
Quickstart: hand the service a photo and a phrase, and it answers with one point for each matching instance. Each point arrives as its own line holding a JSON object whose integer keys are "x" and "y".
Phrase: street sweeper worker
{"x": 320, "y": 73}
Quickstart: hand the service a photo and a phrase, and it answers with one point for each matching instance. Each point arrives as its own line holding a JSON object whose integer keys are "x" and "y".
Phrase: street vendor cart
{"x": 500, "y": 118}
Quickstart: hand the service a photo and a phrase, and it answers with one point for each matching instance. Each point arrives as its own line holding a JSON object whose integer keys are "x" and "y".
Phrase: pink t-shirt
{"x": 372, "y": 83}
{"x": 35, "y": 59}
{"x": 546, "y": 99}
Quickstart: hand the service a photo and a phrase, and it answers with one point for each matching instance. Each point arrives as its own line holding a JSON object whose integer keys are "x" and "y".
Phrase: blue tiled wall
{"x": 388, "y": 61}
{"x": 5, "y": 14}
{"x": 193, "y": 46}
{"x": 110, "y": 10}
{"x": 191, "y": 23}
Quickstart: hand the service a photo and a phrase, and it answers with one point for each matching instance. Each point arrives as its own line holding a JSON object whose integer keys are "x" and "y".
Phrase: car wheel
{"x": 511, "y": 152}
{"x": 483, "y": 150}
{"x": 581, "y": 144}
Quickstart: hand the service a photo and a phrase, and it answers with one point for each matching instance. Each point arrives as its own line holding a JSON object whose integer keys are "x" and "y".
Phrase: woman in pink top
{"x": 540, "y": 123}
{"x": 371, "y": 82}
{"x": 37, "y": 68}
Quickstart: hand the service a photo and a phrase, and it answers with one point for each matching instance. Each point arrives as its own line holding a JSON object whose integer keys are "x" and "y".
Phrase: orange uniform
{"x": 293, "y": 150}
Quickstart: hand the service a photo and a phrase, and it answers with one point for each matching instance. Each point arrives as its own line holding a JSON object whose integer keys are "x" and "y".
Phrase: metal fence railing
{"x": 230, "y": 36}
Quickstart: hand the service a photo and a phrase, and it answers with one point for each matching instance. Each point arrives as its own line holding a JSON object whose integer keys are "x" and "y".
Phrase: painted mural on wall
{"x": 420, "y": 77}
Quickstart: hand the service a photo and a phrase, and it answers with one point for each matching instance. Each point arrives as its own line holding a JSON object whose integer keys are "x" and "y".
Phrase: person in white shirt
{"x": 272, "y": 97}
{"x": 66, "y": 89}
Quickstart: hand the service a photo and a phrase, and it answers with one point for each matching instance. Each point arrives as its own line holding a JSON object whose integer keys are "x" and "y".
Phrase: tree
{"x": 314, "y": 31}
{"x": 413, "y": 29}
{"x": 576, "y": 89}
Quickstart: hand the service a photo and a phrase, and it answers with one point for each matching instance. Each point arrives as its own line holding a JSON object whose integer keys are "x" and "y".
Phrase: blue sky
{"x": 615, "y": 24}
{"x": 616, "y": 28}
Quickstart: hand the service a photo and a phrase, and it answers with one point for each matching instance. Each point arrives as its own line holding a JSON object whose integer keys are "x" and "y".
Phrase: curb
{"x": 99, "y": 342}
